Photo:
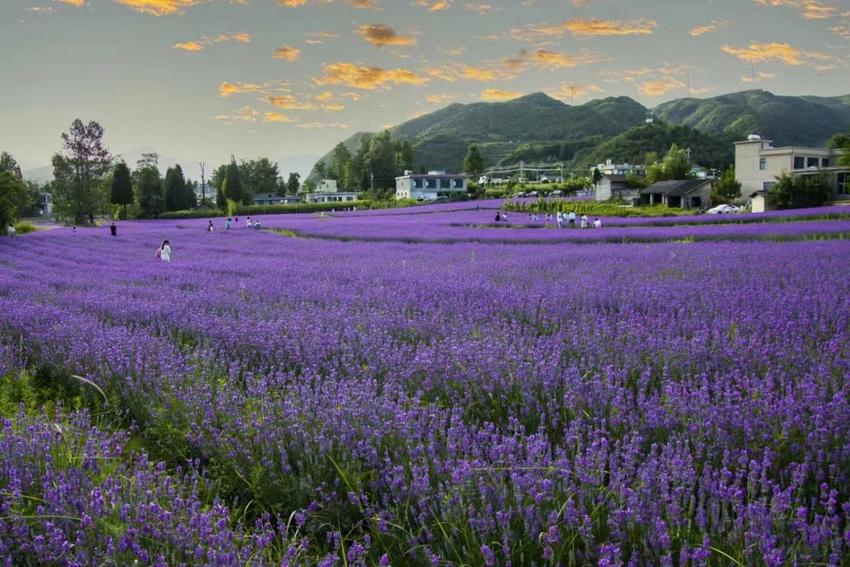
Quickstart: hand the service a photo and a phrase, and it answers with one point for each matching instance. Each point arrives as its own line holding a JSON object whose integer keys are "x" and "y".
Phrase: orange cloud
{"x": 226, "y": 89}
{"x": 289, "y": 102}
{"x": 581, "y": 27}
{"x": 436, "y": 5}
{"x": 42, "y": 10}
{"x": 439, "y": 98}
{"x": 547, "y": 59}
{"x": 714, "y": 26}
{"x": 380, "y": 35}
{"x": 77, "y": 3}
{"x": 759, "y": 52}
{"x": 317, "y": 38}
{"x": 367, "y": 78}
{"x": 660, "y": 86}
{"x": 202, "y": 43}
{"x": 810, "y": 9}
{"x": 363, "y": 4}
{"x": 287, "y": 53}
{"x": 244, "y": 114}
{"x": 158, "y": 7}
{"x": 276, "y": 117}
{"x": 498, "y": 95}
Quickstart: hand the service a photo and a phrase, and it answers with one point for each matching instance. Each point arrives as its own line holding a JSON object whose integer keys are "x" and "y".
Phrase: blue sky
{"x": 204, "y": 79}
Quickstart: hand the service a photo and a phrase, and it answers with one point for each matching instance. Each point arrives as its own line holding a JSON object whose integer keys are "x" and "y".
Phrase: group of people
{"x": 234, "y": 221}
{"x": 501, "y": 216}
{"x": 568, "y": 219}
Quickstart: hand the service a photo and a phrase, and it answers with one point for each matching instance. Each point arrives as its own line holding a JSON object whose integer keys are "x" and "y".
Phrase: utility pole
{"x": 203, "y": 183}
{"x": 372, "y": 183}
{"x": 522, "y": 172}
{"x": 688, "y": 151}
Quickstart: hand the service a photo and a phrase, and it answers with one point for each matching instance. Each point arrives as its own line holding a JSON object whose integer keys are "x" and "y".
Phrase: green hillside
{"x": 787, "y": 120}
{"x": 538, "y": 128}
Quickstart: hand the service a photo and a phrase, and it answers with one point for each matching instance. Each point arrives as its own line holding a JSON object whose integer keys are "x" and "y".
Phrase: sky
{"x": 288, "y": 79}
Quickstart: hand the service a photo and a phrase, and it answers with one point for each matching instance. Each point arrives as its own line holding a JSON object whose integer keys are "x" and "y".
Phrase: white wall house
{"x": 327, "y": 191}
{"x": 431, "y": 186}
{"x": 623, "y": 169}
{"x": 758, "y": 164}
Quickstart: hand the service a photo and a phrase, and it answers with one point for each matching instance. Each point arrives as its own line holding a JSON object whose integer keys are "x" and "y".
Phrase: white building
{"x": 327, "y": 191}
{"x": 623, "y": 169}
{"x": 758, "y": 164}
{"x": 431, "y": 186}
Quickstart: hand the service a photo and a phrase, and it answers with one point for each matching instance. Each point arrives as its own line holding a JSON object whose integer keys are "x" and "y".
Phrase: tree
{"x": 675, "y": 165}
{"x": 841, "y": 142}
{"x": 80, "y": 171}
{"x": 10, "y": 165}
{"x": 177, "y": 195}
{"x": 13, "y": 194}
{"x": 340, "y": 165}
{"x": 792, "y": 192}
{"x": 260, "y": 176}
{"x": 149, "y": 186}
{"x": 232, "y": 186}
{"x": 597, "y": 176}
{"x": 121, "y": 192}
{"x": 726, "y": 189}
{"x": 293, "y": 183}
{"x": 473, "y": 163}
{"x": 380, "y": 165}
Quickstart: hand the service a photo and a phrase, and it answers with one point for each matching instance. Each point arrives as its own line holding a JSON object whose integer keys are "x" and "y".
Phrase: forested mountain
{"x": 538, "y": 128}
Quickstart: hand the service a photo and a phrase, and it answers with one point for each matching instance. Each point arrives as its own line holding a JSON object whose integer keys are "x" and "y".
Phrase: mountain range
{"x": 538, "y": 128}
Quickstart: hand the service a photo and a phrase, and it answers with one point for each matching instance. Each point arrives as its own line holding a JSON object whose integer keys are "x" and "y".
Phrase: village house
{"x": 429, "y": 187}
{"x": 327, "y": 191}
{"x": 758, "y": 163}
{"x": 680, "y": 193}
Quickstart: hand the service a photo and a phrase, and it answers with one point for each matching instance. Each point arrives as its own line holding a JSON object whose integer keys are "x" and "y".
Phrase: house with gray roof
{"x": 679, "y": 193}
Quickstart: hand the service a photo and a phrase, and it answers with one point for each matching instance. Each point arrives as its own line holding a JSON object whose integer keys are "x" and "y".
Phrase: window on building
{"x": 843, "y": 183}
{"x": 799, "y": 162}
{"x": 432, "y": 183}
{"x": 824, "y": 162}
{"x": 457, "y": 183}
{"x": 417, "y": 183}
{"x": 763, "y": 164}
{"x": 812, "y": 162}
{"x": 768, "y": 185}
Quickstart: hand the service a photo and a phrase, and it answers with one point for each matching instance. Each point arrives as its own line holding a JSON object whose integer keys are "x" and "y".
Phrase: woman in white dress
{"x": 164, "y": 252}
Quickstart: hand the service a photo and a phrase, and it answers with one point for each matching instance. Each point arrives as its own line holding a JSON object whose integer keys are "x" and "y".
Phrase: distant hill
{"x": 539, "y": 128}
{"x": 440, "y": 139}
{"x": 787, "y": 120}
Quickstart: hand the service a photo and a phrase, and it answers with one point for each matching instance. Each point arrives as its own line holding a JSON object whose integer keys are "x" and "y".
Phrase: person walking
{"x": 228, "y": 225}
{"x": 210, "y": 226}
{"x": 571, "y": 219}
{"x": 584, "y": 221}
{"x": 559, "y": 216}
{"x": 113, "y": 230}
{"x": 12, "y": 231}
{"x": 164, "y": 252}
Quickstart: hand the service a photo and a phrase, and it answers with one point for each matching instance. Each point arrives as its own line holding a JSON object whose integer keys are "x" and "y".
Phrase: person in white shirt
{"x": 597, "y": 223}
{"x": 584, "y": 221}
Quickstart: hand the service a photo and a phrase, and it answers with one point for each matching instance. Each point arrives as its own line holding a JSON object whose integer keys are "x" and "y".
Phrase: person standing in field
{"x": 584, "y": 221}
{"x": 210, "y": 226}
{"x": 164, "y": 252}
{"x": 597, "y": 223}
{"x": 228, "y": 224}
{"x": 571, "y": 219}
{"x": 113, "y": 230}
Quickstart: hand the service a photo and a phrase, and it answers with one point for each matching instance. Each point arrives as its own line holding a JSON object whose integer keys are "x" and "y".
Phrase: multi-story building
{"x": 429, "y": 187}
{"x": 758, "y": 163}
{"x": 327, "y": 191}
{"x": 620, "y": 169}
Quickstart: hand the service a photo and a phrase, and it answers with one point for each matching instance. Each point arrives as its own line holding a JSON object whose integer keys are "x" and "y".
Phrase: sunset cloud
{"x": 77, "y": 3}
{"x": 42, "y": 10}
{"x": 714, "y": 26}
{"x": 498, "y": 95}
{"x": 276, "y": 117}
{"x": 381, "y": 35}
{"x": 436, "y": 5}
{"x": 318, "y": 38}
{"x": 568, "y": 92}
{"x": 581, "y": 27}
{"x": 157, "y": 7}
{"x": 760, "y": 52}
{"x": 289, "y": 102}
{"x": 661, "y": 86}
{"x": 439, "y": 98}
{"x": 287, "y": 53}
{"x": 546, "y": 59}
{"x": 244, "y": 114}
{"x": 227, "y": 89}
{"x": 367, "y": 78}
{"x": 203, "y": 43}
{"x": 810, "y": 9}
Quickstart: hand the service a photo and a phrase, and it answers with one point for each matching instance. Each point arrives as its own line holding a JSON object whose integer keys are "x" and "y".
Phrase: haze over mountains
{"x": 538, "y": 128}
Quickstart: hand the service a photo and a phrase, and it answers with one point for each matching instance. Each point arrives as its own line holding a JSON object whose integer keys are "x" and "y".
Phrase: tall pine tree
{"x": 121, "y": 192}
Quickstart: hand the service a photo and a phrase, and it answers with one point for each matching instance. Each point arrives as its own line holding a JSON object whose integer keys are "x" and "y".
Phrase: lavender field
{"x": 420, "y": 389}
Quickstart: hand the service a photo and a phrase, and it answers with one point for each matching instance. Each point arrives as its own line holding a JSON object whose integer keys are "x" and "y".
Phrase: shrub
{"x": 23, "y": 227}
